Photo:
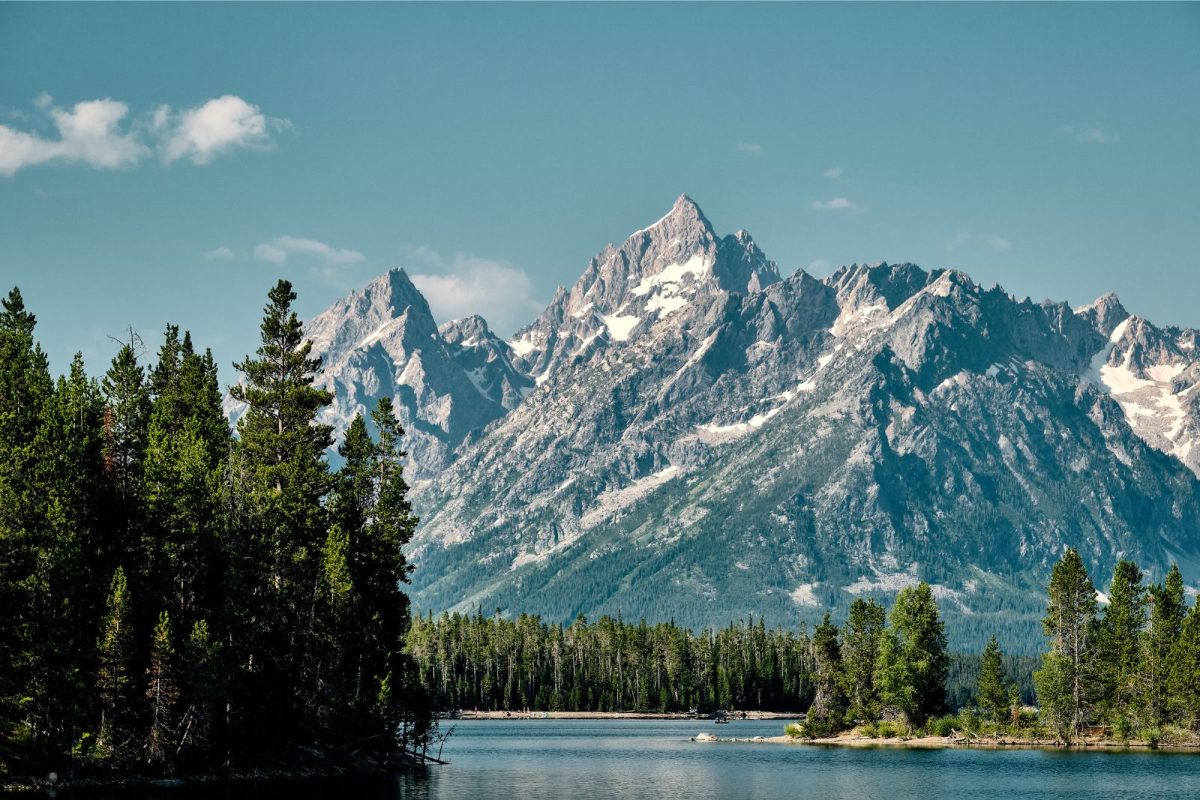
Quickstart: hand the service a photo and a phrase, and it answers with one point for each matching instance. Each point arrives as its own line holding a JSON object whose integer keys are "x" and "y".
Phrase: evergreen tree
{"x": 921, "y": 638}
{"x": 1183, "y": 696}
{"x": 1056, "y": 692}
{"x": 283, "y": 478}
{"x": 25, "y": 386}
{"x": 860, "y": 649}
{"x": 992, "y": 694}
{"x": 115, "y": 682}
{"x": 1118, "y": 656}
{"x": 1167, "y": 614}
{"x": 894, "y": 680}
{"x": 162, "y": 694}
{"x": 1070, "y": 624}
{"x": 829, "y": 703}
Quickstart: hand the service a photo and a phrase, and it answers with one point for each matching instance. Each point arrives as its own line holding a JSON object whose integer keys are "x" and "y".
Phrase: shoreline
{"x": 954, "y": 742}
{"x": 581, "y": 715}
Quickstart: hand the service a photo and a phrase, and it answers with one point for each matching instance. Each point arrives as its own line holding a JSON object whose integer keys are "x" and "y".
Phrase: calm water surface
{"x": 551, "y": 759}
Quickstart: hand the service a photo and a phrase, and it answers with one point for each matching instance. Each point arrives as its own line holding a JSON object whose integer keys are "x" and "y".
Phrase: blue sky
{"x": 494, "y": 149}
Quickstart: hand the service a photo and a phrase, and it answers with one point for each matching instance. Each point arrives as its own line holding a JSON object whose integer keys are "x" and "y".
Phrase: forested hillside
{"x": 176, "y": 597}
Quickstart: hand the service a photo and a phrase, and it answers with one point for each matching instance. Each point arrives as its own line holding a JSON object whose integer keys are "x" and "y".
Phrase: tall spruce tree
{"x": 828, "y": 708}
{"x": 281, "y": 467}
{"x": 25, "y": 386}
{"x": 921, "y": 636}
{"x": 1167, "y": 613}
{"x": 1118, "y": 658}
{"x": 115, "y": 679}
{"x": 1070, "y": 625}
{"x": 992, "y": 693}
{"x": 860, "y": 649}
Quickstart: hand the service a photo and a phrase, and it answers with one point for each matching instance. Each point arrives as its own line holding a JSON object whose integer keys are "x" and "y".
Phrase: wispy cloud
{"x": 818, "y": 266}
{"x": 464, "y": 284}
{"x": 281, "y": 248}
{"x": 221, "y": 253}
{"x": 832, "y": 172}
{"x": 222, "y": 124}
{"x": 1091, "y": 135}
{"x": 991, "y": 241}
{"x": 90, "y": 133}
{"x": 835, "y": 204}
{"x": 102, "y": 134}
{"x": 750, "y": 148}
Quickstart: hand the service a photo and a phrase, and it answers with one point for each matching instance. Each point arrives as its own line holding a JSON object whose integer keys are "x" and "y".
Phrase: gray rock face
{"x": 684, "y": 434}
{"x": 382, "y": 341}
{"x": 487, "y": 360}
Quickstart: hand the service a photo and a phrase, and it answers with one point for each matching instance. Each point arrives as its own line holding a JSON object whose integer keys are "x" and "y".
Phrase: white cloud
{"x": 818, "y": 266}
{"x": 457, "y": 287}
{"x": 281, "y": 248}
{"x": 832, "y": 172}
{"x": 1091, "y": 135}
{"x": 92, "y": 133}
{"x": 221, "y": 253}
{"x": 222, "y": 124}
{"x": 750, "y": 148}
{"x": 957, "y": 241}
{"x": 835, "y": 204}
{"x": 993, "y": 241}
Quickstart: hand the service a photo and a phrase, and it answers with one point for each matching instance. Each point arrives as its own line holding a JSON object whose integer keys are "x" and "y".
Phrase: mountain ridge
{"x": 683, "y": 432}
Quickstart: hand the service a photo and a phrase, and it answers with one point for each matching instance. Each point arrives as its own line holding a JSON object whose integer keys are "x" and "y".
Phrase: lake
{"x": 553, "y": 759}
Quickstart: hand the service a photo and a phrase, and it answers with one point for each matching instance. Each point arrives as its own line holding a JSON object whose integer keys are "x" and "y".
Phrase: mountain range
{"x": 684, "y": 433}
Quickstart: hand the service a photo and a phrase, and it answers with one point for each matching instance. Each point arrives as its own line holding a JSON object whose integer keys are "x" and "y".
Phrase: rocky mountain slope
{"x": 684, "y": 434}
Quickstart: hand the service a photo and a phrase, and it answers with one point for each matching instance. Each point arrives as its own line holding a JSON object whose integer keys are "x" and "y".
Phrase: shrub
{"x": 793, "y": 730}
{"x": 942, "y": 726}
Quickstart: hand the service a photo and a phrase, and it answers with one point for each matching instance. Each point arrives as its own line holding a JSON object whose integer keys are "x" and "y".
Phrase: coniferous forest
{"x": 180, "y": 598}
{"x": 1128, "y": 671}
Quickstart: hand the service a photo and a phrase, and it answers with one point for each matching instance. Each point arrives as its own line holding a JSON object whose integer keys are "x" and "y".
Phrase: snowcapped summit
{"x": 627, "y": 290}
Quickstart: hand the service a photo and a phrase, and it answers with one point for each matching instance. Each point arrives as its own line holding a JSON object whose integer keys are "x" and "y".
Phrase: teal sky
{"x": 493, "y": 149}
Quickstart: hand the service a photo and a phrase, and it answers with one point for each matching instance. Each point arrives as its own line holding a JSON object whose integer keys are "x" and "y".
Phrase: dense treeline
{"x": 492, "y": 663}
{"x": 178, "y": 597}
{"x": 1132, "y": 666}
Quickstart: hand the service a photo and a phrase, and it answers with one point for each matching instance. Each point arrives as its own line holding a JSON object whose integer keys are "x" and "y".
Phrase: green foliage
{"x": 1070, "y": 625}
{"x": 177, "y": 598}
{"x": 860, "y": 649}
{"x": 493, "y": 663}
{"x": 919, "y": 653}
{"x": 992, "y": 695}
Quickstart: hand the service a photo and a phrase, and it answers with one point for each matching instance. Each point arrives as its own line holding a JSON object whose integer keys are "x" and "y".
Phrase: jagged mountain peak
{"x": 627, "y": 290}
{"x": 1105, "y": 312}
{"x": 467, "y": 331}
{"x": 684, "y": 214}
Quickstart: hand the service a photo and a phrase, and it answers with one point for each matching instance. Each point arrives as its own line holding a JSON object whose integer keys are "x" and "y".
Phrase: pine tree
{"x": 162, "y": 694}
{"x": 922, "y": 639}
{"x": 1118, "y": 656}
{"x": 114, "y": 681}
{"x": 828, "y": 708}
{"x": 992, "y": 693}
{"x": 860, "y": 649}
{"x": 1167, "y": 613}
{"x": 1070, "y": 624}
{"x": 25, "y": 386}
{"x": 894, "y": 680}
{"x": 126, "y": 415}
{"x": 1183, "y": 697}
{"x": 1056, "y": 692}
{"x": 283, "y": 477}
